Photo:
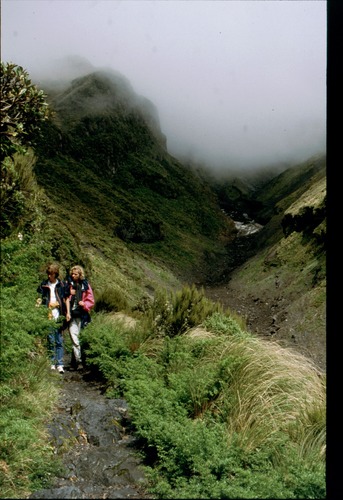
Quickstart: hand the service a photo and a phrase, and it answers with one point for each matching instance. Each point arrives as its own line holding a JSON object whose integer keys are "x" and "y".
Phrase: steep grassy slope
{"x": 287, "y": 275}
{"x": 106, "y": 160}
{"x": 281, "y": 192}
{"x": 141, "y": 219}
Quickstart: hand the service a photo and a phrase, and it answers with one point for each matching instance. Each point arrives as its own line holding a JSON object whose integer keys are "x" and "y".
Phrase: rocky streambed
{"x": 89, "y": 432}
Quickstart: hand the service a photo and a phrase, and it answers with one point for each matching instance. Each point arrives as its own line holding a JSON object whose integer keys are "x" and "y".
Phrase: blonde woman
{"x": 79, "y": 302}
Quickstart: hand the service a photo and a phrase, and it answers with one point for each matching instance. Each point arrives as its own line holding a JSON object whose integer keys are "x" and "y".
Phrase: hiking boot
{"x": 60, "y": 369}
{"x": 53, "y": 367}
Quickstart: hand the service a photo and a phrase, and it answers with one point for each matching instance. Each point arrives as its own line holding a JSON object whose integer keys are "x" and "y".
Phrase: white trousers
{"x": 74, "y": 332}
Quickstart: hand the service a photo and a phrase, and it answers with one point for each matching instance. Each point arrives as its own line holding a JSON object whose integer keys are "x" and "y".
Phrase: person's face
{"x": 51, "y": 277}
{"x": 75, "y": 276}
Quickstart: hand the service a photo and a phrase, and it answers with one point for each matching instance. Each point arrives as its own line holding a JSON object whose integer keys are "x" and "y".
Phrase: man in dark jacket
{"x": 52, "y": 291}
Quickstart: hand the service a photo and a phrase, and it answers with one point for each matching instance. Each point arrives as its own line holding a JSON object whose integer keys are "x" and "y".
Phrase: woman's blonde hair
{"x": 78, "y": 269}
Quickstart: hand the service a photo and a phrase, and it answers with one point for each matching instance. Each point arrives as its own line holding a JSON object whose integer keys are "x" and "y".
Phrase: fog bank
{"x": 237, "y": 84}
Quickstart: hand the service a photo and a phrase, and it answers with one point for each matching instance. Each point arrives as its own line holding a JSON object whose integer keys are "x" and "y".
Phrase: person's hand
{"x": 81, "y": 303}
{"x": 68, "y": 317}
{"x": 52, "y": 305}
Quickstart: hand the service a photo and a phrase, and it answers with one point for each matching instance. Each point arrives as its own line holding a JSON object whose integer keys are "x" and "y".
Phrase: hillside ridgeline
{"x": 119, "y": 188}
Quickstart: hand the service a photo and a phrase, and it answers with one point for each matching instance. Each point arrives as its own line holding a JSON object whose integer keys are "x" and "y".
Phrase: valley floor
{"x": 261, "y": 319}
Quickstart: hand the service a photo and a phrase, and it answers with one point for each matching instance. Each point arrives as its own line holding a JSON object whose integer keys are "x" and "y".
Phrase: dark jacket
{"x": 60, "y": 292}
{"x": 68, "y": 282}
{"x": 86, "y": 294}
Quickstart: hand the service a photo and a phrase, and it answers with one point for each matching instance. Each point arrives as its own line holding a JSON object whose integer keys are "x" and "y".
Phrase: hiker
{"x": 52, "y": 291}
{"x": 79, "y": 302}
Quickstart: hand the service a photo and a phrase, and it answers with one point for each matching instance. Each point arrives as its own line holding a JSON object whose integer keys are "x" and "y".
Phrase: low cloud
{"x": 236, "y": 84}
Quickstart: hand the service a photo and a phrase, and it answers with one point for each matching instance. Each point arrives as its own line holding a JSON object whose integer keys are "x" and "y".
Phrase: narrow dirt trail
{"x": 89, "y": 432}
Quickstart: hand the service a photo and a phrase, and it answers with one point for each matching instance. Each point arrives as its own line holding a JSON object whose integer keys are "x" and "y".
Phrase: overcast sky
{"x": 236, "y": 83}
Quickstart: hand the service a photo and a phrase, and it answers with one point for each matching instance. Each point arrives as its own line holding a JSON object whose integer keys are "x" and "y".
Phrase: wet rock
{"x": 88, "y": 432}
{"x": 63, "y": 492}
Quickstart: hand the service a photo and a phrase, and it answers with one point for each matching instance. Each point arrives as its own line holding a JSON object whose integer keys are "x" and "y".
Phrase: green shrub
{"x": 173, "y": 313}
{"x": 23, "y": 110}
{"x": 27, "y": 392}
{"x": 218, "y": 415}
{"x": 108, "y": 348}
{"x": 110, "y": 300}
{"x": 26, "y": 459}
{"x": 229, "y": 324}
{"x": 23, "y": 326}
{"x": 195, "y": 458}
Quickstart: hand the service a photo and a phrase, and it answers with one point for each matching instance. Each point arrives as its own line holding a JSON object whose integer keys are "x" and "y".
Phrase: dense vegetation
{"x": 226, "y": 415}
{"x": 219, "y": 413}
{"x": 23, "y": 110}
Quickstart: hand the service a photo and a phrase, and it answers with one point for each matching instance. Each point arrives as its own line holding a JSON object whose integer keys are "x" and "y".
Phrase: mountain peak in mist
{"x": 103, "y": 92}
{"x": 60, "y": 72}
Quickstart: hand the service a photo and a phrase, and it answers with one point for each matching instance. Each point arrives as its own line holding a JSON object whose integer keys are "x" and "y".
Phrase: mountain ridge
{"x": 166, "y": 212}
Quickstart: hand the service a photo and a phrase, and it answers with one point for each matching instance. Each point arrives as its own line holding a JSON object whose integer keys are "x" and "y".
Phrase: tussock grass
{"x": 274, "y": 389}
{"x": 219, "y": 412}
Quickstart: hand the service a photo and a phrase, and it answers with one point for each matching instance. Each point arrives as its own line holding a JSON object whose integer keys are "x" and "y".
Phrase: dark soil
{"x": 272, "y": 317}
{"x": 266, "y": 317}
